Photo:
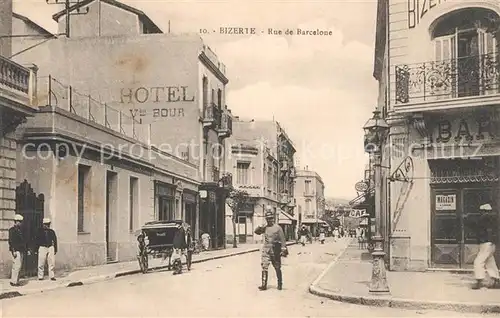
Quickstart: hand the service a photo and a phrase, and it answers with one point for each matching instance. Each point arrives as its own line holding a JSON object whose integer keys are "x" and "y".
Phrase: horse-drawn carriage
{"x": 163, "y": 238}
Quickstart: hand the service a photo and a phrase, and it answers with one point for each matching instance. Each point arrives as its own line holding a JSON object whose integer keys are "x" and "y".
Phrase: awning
{"x": 364, "y": 201}
{"x": 285, "y": 218}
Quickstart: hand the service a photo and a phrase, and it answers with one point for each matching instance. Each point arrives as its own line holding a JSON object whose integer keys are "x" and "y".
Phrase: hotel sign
{"x": 417, "y": 9}
{"x": 446, "y": 202}
{"x": 155, "y": 97}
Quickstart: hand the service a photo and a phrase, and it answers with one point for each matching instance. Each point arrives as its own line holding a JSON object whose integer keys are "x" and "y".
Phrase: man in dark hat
{"x": 274, "y": 247}
{"x": 180, "y": 246}
{"x": 46, "y": 241}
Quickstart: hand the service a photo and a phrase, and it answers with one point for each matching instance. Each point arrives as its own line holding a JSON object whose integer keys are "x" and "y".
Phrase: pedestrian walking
{"x": 17, "y": 246}
{"x": 485, "y": 259}
{"x": 274, "y": 247}
{"x": 303, "y": 235}
{"x": 322, "y": 236}
{"x": 205, "y": 241}
{"x": 46, "y": 241}
{"x": 179, "y": 245}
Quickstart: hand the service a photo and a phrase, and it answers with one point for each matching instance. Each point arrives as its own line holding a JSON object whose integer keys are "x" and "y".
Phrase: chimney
{"x": 6, "y": 27}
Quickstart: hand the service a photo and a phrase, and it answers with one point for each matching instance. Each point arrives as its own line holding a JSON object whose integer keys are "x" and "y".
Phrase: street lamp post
{"x": 376, "y": 130}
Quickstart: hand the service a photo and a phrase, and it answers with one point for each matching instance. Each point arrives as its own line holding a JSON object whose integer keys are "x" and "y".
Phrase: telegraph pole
{"x": 67, "y": 8}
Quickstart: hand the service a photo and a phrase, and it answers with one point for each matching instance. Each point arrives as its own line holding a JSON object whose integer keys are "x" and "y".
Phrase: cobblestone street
{"x": 219, "y": 288}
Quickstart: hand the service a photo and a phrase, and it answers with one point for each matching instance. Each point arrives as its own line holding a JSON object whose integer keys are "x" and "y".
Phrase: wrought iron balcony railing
{"x": 212, "y": 116}
{"x": 226, "y": 127}
{"x": 85, "y": 106}
{"x": 448, "y": 79}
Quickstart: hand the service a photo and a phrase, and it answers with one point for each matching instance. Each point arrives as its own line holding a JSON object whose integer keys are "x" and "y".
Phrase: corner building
{"x": 126, "y": 145}
{"x": 260, "y": 156}
{"x": 437, "y": 65}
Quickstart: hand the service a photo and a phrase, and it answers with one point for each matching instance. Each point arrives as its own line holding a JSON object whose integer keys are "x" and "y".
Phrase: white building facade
{"x": 437, "y": 65}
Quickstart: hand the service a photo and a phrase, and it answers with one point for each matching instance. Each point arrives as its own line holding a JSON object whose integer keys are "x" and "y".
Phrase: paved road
{"x": 223, "y": 288}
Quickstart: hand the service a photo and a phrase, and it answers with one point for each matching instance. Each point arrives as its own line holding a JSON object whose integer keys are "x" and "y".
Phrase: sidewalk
{"x": 347, "y": 279}
{"x": 89, "y": 275}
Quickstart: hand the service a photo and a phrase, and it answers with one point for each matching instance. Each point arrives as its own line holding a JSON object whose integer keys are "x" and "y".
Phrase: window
{"x": 307, "y": 187}
{"x": 219, "y": 98}
{"x": 242, "y": 176}
{"x": 205, "y": 92}
{"x": 133, "y": 196}
{"x": 83, "y": 195}
{"x": 308, "y": 206}
{"x": 166, "y": 202}
{"x": 270, "y": 178}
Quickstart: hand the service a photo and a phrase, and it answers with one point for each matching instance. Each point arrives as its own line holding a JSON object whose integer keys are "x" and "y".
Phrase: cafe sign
{"x": 446, "y": 202}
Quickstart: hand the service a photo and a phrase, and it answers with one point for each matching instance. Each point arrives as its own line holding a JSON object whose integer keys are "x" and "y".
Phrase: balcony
{"x": 292, "y": 203}
{"x": 309, "y": 194}
{"x": 17, "y": 86}
{"x": 284, "y": 165}
{"x": 226, "y": 127}
{"x": 471, "y": 81}
{"x": 55, "y": 94}
{"x": 212, "y": 116}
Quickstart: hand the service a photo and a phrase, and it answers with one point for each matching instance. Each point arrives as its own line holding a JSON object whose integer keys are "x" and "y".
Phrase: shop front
{"x": 165, "y": 201}
{"x": 212, "y": 213}
{"x": 458, "y": 188}
{"x": 288, "y": 224}
{"x": 190, "y": 201}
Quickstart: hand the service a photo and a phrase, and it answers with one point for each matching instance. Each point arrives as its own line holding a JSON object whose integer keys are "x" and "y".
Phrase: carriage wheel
{"x": 143, "y": 262}
{"x": 189, "y": 258}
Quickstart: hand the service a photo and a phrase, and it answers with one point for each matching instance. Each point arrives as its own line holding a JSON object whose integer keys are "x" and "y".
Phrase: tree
{"x": 236, "y": 201}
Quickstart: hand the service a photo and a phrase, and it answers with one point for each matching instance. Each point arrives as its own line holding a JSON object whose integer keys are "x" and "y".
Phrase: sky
{"x": 320, "y": 88}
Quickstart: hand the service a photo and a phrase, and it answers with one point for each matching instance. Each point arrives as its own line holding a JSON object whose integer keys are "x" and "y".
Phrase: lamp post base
{"x": 379, "y": 278}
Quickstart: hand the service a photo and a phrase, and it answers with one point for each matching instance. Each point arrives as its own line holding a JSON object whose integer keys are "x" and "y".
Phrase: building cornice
{"x": 47, "y": 134}
{"x": 214, "y": 69}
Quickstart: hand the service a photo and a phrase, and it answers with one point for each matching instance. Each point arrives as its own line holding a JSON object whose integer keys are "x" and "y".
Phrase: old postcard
{"x": 245, "y": 158}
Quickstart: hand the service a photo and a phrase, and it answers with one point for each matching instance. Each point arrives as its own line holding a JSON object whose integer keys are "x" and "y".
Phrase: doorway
{"x": 468, "y": 63}
{"x": 111, "y": 204}
{"x": 31, "y": 207}
{"x": 455, "y": 208}
{"x": 242, "y": 229}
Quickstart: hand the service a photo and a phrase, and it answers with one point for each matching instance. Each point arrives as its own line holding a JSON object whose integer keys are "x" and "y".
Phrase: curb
{"x": 102, "y": 278}
{"x": 401, "y": 303}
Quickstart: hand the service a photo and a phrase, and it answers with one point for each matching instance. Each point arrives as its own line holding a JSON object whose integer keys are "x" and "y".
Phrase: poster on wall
{"x": 446, "y": 202}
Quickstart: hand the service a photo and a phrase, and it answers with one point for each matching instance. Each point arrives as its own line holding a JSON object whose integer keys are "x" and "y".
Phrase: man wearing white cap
{"x": 17, "y": 246}
{"x": 485, "y": 259}
{"x": 47, "y": 249}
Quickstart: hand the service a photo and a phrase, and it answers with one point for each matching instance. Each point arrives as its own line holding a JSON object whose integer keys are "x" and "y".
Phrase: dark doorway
{"x": 31, "y": 207}
{"x": 242, "y": 228}
{"x": 111, "y": 201}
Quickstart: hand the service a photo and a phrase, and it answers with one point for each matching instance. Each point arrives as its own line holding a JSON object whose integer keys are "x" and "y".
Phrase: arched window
{"x": 465, "y": 49}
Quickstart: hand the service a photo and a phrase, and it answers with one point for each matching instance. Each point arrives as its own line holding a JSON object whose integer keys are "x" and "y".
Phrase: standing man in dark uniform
{"x": 46, "y": 241}
{"x": 179, "y": 248}
{"x": 274, "y": 247}
{"x": 17, "y": 246}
